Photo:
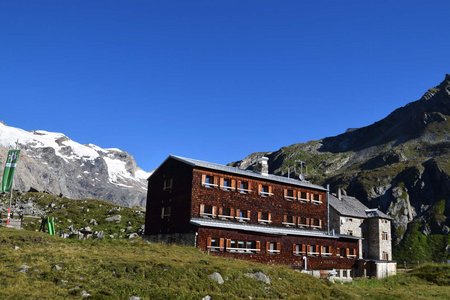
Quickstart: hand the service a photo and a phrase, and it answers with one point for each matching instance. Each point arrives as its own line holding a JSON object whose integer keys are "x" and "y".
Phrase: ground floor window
{"x": 273, "y": 247}
{"x": 241, "y": 246}
{"x": 299, "y": 249}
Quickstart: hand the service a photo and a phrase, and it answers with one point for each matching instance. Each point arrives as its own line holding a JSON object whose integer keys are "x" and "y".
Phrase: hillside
{"x": 52, "y": 162}
{"x": 400, "y": 164}
{"x": 37, "y": 266}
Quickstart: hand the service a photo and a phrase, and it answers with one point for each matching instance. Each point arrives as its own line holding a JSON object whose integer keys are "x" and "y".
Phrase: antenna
{"x": 302, "y": 164}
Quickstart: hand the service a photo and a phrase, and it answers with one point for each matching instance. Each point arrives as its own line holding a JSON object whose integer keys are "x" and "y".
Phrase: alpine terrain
{"x": 400, "y": 164}
{"x": 51, "y": 162}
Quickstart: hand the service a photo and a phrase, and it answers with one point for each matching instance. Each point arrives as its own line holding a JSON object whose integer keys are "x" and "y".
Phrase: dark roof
{"x": 262, "y": 228}
{"x": 352, "y": 207}
{"x": 234, "y": 170}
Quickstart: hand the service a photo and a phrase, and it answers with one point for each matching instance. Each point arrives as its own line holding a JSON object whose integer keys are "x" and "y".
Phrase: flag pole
{"x": 8, "y": 221}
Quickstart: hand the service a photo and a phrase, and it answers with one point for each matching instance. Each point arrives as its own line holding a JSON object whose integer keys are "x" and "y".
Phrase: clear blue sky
{"x": 214, "y": 80}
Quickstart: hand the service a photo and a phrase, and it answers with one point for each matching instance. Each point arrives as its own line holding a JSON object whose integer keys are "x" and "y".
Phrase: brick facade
{"x": 286, "y": 255}
{"x": 180, "y": 192}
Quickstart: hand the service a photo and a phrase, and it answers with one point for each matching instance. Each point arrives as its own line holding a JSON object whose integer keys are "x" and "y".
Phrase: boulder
{"x": 216, "y": 277}
{"x": 115, "y": 218}
{"x": 260, "y": 276}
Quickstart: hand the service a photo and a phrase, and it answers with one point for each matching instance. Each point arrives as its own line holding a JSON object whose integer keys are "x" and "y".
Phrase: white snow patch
{"x": 43, "y": 139}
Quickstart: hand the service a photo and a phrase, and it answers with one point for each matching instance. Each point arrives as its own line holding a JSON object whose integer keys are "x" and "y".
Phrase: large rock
{"x": 216, "y": 277}
{"x": 115, "y": 218}
{"x": 259, "y": 276}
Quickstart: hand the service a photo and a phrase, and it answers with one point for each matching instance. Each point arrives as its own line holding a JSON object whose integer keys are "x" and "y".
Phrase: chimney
{"x": 263, "y": 165}
{"x": 339, "y": 194}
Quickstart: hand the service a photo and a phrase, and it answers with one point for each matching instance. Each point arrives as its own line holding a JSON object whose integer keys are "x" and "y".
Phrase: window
{"x": 350, "y": 232}
{"x": 273, "y": 247}
{"x": 350, "y": 219}
{"x": 240, "y": 246}
{"x": 303, "y": 222}
{"x": 242, "y": 215}
{"x": 264, "y": 217}
{"x": 351, "y": 252}
{"x": 316, "y": 223}
{"x": 304, "y": 196}
{"x": 215, "y": 244}
{"x": 299, "y": 249}
{"x": 342, "y": 252}
{"x": 384, "y": 236}
{"x": 227, "y": 184}
{"x": 288, "y": 220}
{"x": 316, "y": 198}
{"x": 209, "y": 181}
{"x": 166, "y": 212}
{"x": 244, "y": 187}
{"x": 226, "y": 213}
{"x": 326, "y": 251}
{"x": 289, "y": 194}
{"x": 385, "y": 256}
{"x": 313, "y": 250}
{"x": 208, "y": 211}
{"x": 167, "y": 186}
{"x": 265, "y": 190}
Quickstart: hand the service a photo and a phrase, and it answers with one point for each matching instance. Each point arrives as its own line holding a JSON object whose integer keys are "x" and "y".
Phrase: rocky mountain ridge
{"x": 400, "y": 164}
{"x": 53, "y": 163}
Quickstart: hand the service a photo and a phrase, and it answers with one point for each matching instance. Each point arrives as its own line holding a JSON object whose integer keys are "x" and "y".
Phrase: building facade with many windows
{"x": 249, "y": 215}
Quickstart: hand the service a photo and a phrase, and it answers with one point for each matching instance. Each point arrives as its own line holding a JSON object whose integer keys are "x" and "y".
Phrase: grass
{"x": 119, "y": 269}
{"x": 79, "y": 213}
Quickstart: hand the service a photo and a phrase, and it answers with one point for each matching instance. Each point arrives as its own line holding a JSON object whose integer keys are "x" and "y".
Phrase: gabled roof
{"x": 237, "y": 171}
{"x": 352, "y": 207}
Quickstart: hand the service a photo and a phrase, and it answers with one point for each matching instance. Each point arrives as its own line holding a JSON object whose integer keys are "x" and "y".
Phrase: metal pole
{"x": 328, "y": 209}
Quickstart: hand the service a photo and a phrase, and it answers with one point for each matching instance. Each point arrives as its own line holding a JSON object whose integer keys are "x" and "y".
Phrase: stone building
{"x": 349, "y": 216}
{"x": 257, "y": 216}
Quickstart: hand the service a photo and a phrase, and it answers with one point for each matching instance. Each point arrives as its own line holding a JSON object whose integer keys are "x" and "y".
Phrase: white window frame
{"x": 303, "y": 199}
{"x": 207, "y": 184}
{"x": 273, "y": 251}
{"x": 315, "y": 201}
{"x": 227, "y": 187}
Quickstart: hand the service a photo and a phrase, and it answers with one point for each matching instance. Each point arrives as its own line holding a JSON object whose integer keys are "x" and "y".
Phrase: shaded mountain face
{"x": 53, "y": 163}
{"x": 400, "y": 164}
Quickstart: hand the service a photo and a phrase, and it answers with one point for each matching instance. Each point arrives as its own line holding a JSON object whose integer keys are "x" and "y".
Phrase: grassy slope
{"x": 118, "y": 269}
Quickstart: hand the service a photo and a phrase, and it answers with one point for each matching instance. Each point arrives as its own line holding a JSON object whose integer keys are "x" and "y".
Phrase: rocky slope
{"x": 54, "y": 163}
{"x": 400, "y": 164}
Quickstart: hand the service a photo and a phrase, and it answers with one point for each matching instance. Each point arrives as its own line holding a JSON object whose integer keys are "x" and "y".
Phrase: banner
{"x": 8, "y": 174}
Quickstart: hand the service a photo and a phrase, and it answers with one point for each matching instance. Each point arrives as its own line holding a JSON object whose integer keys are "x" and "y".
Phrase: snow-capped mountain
{"x": 54, "y": 163}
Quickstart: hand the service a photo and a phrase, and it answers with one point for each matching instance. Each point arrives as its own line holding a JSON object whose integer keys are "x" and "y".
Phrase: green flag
{"x": 8, "y": 174}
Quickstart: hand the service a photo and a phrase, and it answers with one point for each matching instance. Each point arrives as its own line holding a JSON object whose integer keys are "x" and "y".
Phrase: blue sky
{"x": 214, "y": 80}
